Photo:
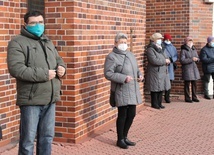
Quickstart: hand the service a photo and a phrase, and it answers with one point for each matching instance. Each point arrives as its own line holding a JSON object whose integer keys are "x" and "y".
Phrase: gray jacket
{"x": 125, "y": 93}
{"x": 29, "y": 60}
{"x": 157, "y": 76}
{"x": 189, "y": 67}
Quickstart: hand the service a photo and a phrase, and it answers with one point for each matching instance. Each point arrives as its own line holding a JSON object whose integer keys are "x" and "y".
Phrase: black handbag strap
{"x": 121, "y": 70}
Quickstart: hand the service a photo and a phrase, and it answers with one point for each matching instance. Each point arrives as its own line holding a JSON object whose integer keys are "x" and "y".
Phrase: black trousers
{"x": 167, "y": 93}
{"x": 187, "y": 90}
{"x": 124, "y": 121}
{"x": 156, "y": 99}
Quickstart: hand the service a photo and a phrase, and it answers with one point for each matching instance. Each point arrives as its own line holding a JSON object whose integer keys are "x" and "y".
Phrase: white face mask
{"x": 190, "y": 44}
{"x": 167, "y": 42}
{"x": 159, "y": 42}
{"x": 122, "y": 47}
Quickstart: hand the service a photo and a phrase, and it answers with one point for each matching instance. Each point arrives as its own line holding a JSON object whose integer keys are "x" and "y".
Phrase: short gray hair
{"x": 120, "y": 36}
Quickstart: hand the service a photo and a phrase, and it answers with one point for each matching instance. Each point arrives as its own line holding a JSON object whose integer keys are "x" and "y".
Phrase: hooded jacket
{"x": 125, "y": 93}
{"x": 29, "y": 60}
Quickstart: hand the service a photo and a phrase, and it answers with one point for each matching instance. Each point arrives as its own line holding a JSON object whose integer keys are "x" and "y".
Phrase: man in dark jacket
{"x": 207, "y": 59}
{"x": 34, "y": 62}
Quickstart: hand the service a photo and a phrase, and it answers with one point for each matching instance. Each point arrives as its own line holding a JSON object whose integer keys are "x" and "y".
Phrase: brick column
{"x": 10, "y": 25}
{"x": 84, "y": 32}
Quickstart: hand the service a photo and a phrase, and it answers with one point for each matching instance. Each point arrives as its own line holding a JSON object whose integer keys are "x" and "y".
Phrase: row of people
{"x": 122, "y": 70}
{"x": 35, "y": 63}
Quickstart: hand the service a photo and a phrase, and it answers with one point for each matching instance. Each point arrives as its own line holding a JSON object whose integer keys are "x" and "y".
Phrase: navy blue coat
{"x": 207, "y": 59}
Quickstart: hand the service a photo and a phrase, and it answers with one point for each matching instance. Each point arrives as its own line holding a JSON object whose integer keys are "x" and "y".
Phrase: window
{"x": 38, "y": 5}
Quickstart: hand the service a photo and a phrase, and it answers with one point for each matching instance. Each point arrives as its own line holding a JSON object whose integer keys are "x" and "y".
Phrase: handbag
{"x": 175, "y": 65}
{"x": 112, "y": 100}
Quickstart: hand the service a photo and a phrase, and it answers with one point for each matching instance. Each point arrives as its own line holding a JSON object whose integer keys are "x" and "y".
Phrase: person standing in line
{"x": 157, "y": 76}
{"x": 190, "y": 73}
{"x": 171, "y": 52}
{"x": 35, "y": 64}
{"x": 207, "y": 59}
{"x": 122, "y": 70}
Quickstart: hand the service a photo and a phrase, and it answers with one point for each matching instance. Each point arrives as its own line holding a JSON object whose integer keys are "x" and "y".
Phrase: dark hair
{"x": 30, "y": 14}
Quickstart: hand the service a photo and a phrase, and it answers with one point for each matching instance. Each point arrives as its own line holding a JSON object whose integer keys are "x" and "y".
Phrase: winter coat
{"x": 189, "y": 67}
{"x": 171, "y": 52}
{"x": 207, "y": 59}
{"x": 29, "y": 60}
{"x": 125, "y": 93}
{"x": 157, "y": 76}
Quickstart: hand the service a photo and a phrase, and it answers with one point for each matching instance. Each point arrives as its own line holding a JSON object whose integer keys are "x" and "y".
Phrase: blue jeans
{"x": 36, "y": 121}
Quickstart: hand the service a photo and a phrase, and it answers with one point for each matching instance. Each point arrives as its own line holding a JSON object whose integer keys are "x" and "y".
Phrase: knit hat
{"x": 167, "y": 36}
{"x": 188, "y": 39}
{"x": 209, "y": 39}
{"x": 156, "y": 36}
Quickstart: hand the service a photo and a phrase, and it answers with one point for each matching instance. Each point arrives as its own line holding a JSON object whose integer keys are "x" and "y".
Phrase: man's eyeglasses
{"x": 34, "y": 23}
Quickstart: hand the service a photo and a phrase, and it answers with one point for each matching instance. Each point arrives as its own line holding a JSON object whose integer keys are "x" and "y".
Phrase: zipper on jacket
{"x": 134, "y": 80}
{"x": 27, "y": 56}
{"x": 46, "y": 58}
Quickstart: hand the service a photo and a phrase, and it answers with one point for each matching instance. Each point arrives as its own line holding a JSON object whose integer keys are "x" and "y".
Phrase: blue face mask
{"x": 37, "y": 29}
{"x": 212, "y": 44}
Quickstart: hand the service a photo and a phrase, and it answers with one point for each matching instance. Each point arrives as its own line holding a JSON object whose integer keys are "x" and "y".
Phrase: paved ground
{"x": 180, "y": 129}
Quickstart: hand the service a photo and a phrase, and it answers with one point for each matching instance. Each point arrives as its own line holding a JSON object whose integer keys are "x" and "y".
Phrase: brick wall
{"x": 84, "y": 32}
{"x": 10, "y": 24}
{"x": 180, "y": 18}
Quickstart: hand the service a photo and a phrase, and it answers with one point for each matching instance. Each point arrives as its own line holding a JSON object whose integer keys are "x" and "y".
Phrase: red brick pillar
{"x": 84, "y": 34}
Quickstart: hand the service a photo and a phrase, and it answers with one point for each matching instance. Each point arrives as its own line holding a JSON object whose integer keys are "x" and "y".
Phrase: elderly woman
{"x": 171, "y": 52}
{"x": 190, "y": 73}
{"x": 157, "y": 76}
{"x": 122, "y": 70}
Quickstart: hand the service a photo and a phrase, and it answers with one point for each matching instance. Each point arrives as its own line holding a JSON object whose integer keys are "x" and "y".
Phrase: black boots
{"x": 124, "y": 143}
{"x": 128, "y": 142}
{"x": 167, "y": 96}
{"x": 207, "y": 97}
{"x": 121, "y": 143}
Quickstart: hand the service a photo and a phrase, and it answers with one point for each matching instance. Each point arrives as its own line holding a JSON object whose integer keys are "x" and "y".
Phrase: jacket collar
{"x": 116, "y": 50}
{"x": 157, "y": 49}
{"x": 184, "y": 46}
{"x": 25, "y": 33}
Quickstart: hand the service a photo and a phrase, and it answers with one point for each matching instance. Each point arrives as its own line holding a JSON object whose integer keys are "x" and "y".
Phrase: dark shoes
{"x": 167, "y": 100}
{"x": 207, "y": 97}
{"x": 155, "y": 107}
{"x": 158, "y": 107}
{"x": 190, "y": 101}
{"x": 128, "y": 142}
{"x": 121, "y": 143}
{"x": 195, "y": 100}
{"x": 162, "y": 107}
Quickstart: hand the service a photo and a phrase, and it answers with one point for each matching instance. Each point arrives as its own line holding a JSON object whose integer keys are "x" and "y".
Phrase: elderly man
{"x": 207, "y": 59}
